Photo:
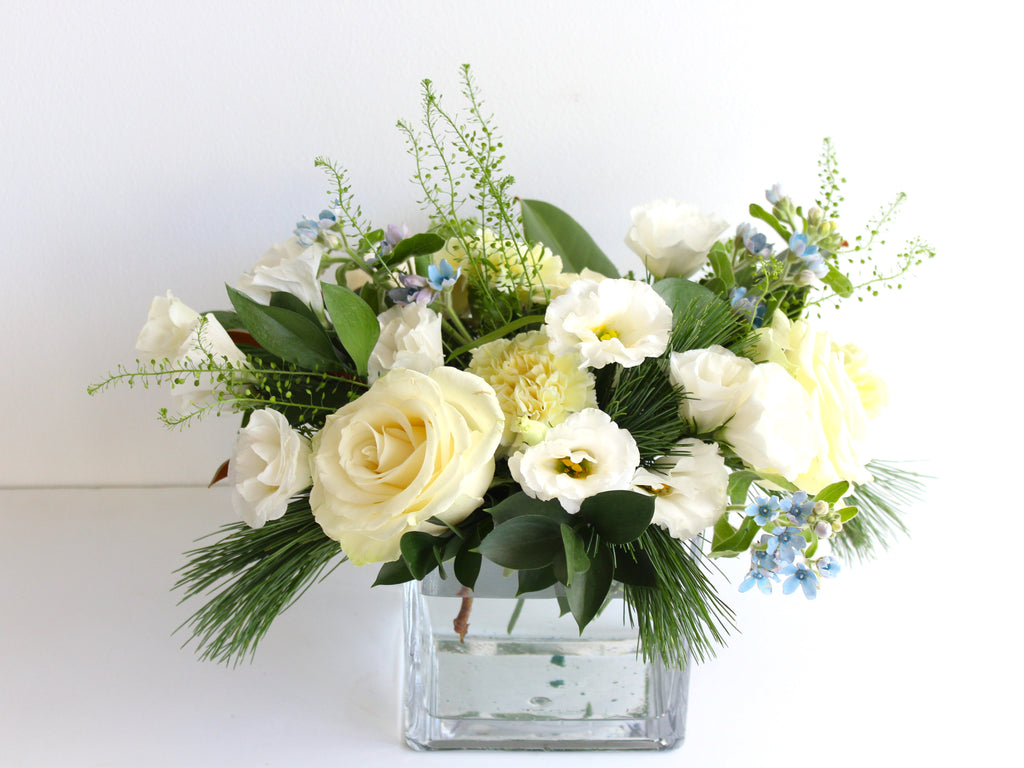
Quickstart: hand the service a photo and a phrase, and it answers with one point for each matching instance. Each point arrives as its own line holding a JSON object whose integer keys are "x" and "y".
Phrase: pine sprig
{"x": 643, "y": 401}
{"x": 880, "y": 504}
{"x": 256, "y": 574}
{"x": 683, "y": 615}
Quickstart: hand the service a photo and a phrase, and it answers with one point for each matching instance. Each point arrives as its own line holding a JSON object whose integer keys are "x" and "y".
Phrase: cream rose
{"x": 269, "y": 465}
{"x": 410, "y": 337}
{"x": 413, "y": 447}
{"x": 672, "y": 238}
{"x": 839, "y": 415}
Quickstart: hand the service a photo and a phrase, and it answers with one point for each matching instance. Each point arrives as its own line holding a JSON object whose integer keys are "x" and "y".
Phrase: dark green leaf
{"x": 544, "y": 223}
{"x": 760, "y": 213}
{"x": 588, "y": 591}
{"x": 530, "y": 541}
{"x": 576, "y": 560}
{"x": 635, "y": 568}
{"x": 535, "y": 580}
{"x": 418, "y": 551}
{"x": 289, "y": 335}
{"x": 618, "y": 516}
{"x": 832, "y": 493}
{"x": 519, "y": 504}
{"x": 422, "y": 244}
{"x": 355, "y": 323}
{"x": 293, "y": 303}
{"x": 685, "y": 297}
{"x": 395, "y": 572}
{"x": 228, "y": 320}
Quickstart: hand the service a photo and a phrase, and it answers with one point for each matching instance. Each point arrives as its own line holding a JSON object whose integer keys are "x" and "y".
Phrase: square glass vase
{"x": 526, "y": 678}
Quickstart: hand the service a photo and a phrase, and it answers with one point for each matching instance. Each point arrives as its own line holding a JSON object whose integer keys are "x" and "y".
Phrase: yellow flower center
{"x": 604, "y": 333}
{"x": 573, "y": 469}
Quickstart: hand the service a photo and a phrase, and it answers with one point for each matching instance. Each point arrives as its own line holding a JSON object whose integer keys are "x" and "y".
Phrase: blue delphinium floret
{"x": 799, "y": 576}
{"x": 764, "y": 510}
{"x": 443, "y": 275}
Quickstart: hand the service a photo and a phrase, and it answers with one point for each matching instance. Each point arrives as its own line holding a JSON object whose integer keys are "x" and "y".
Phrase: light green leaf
{"x": 739, "y": 542}
{"x": 354, "y": 321}
{"x": 832, "y": 493}
{"x": 838, "y": 282}
{"x": 760, "y": 213}
{"x": 544, "y": 223}
{"x": 739, "y": 485}
{"x": 721, "y": 265}
{"x": 846, "y": 514}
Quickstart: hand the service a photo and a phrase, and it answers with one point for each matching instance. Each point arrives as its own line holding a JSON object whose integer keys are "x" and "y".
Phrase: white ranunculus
{"x": 772, "y": 429}
{"x": 290, "y": 267}
{"x": 716, "y": 382}
{"x": 269, "y": 465}
{"x": 410, "y": 337}
{"x": 217, "y": 364}
{"x": 826, "y": 371}
{"x": 413, "y": 447}
{"x": 673, "y": 238}
{"x": 585, "y": 455}
{"x": 168, "y": 325}
{"x": 692, "y": 494}
{"x": 611, "y": 321}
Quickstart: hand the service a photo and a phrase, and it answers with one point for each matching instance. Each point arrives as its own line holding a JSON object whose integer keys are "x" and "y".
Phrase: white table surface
{"x": 880, "y": 666}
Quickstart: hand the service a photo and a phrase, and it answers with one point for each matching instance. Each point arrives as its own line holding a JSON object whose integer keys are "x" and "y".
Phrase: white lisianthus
{"x": 838, "y": 411}
{"x": 413, "y": 447}
{"x": 716, "y": 382}
{"x": 611, "y": 321}
{"x": 692, "y": 494}
{"x": 216, "y": 365}
{"x": 536, "y": 389}
{"x": 290, "y": 267}
{"x": 585, "y": 455}
{"x": 672, "y": 238}
{"x": 167, "y": 327}
{"x": 410, "y": 337}
{"x": 269, "y": 465}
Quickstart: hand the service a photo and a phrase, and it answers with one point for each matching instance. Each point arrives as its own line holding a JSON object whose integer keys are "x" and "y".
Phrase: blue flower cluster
{"x": 777, "y": 552}
{"x": 308, "y": 230}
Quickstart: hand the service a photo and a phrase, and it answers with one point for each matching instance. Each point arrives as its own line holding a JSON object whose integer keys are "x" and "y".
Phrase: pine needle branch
{"x": 881, "y": 505}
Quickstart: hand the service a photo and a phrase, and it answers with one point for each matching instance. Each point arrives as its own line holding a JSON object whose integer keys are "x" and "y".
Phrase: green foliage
{"x": 255, "y": 574}
{"x": 643, "y": 401}
{"x": 544, "y": 223}
{"x": 879, "y": 507}
{"x": 354, "y": 322}
{"x": 619, "y": 517}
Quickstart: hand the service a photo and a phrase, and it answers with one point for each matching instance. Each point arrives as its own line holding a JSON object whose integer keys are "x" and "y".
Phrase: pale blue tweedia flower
{"x": 393, "y": 235}
{"x": 759, "y": 558}
{"x": 760, "y": 578}
{"x": 774, "y": 194}
{"x": 828, "y": 567}
{"x": 764, "y": 510}
{"x": 799, "y": 247}
{"x": 443, "y": 275}
{"x": 799, "y": 576}
{"x": 798, "y": 508}
{"x": 307, "y": 231}
{"x": 784, "y": 543}
{"x": 327, "y": 219}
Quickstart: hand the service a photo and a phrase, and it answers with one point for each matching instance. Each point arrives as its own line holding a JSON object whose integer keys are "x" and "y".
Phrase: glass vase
{"x": 524, "y": 677}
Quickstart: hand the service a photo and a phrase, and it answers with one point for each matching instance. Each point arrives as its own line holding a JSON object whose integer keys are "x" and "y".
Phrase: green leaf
{"x": 288, "y": 335}
{"x": 618, "y": 516}
{"x": 721, "y": 265}
{"x": 846, "y": 514}
{"x": 519, "y": 504}
{"x": 228, "y": 320}
{"x": 635, "y": 568}
{"x": 832, "y": 493}
{"x": 467, "y": 566}
{"x": 812, "y": 543}
{"x": 354, "y": 321}
{"x": 760, "y": 213}
{"x": 588, "y": 590}
{"x": 530, "y": 541}
{"x": 685, "y": 296}
{"x": 418, "y": 550}
{"x": 778, "y": 480}
{"x": 576, "y": 560}
{"x": 395, "y": 572}
{"x": 535, "y": 580}
{"x": 739, "y": 542}
{"x": 838, "y": 282}
{"x": 723, "y": 531}
{"x": 739, "y": 485}
{"x": 544, "y": 223}
{"x": 293, "y": 303}
{"x": 422, "y": 244}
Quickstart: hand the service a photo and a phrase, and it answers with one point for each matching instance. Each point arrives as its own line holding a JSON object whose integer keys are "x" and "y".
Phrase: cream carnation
{"x": 410, "y": 337}
{"x": 536, "y": 389}
{"x": 672, "y": 238}
{"x": 611, "y": 321}
{"x": 269, "y": 465}
{"x": 692, "y": 494}
{"x": 585, "y": 455}
{"x": 413, "y": 447}
{"x": 838, "y": 413}
{"x": 290, "y": 267}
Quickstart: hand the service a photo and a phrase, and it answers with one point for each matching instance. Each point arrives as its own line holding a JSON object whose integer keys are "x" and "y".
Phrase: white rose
{"x": 212, "y": 355}
{"x": 611, "y": 321}
{"x": 413, "y": 447}
{"x": 168, "y": 325}
{"x": 585, "y": 455}
{"x": 673, "y": 238}
{"x": 410, "y": 337}
{"x": 690, "y": 496}
{"x": 290, "y": 267}
{"x": 269, "y": 465}
{"x": 823, "y": 370}
{"x": 716, "y": 381}
{"x": 772, "y": 429}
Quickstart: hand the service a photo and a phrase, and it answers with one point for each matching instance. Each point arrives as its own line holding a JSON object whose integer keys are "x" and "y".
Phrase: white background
{"x": 147, "y": 146}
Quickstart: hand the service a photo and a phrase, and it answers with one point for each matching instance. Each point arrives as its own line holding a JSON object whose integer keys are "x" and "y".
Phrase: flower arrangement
{"x": 493, "y": 388}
